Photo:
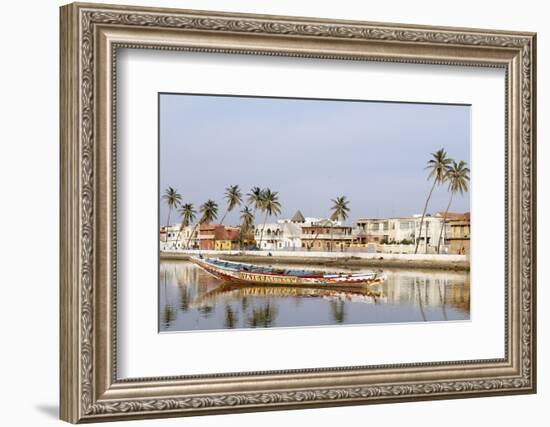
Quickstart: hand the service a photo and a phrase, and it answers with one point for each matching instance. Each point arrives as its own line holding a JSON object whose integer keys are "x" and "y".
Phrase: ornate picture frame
{"x": 90, "y": 37}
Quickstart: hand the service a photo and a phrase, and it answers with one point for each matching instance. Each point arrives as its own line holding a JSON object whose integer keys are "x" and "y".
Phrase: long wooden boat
{"x": 237, "y": 272}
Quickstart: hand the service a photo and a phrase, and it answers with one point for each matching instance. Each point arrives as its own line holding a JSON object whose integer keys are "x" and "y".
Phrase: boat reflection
{"x": 230, "y": 291}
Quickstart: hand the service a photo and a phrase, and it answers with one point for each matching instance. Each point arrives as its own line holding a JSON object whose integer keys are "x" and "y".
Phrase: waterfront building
{"x": 229, "y": 240}
{"x": 177, "y": 238}
{"x": 285, "y": 234}
{"x": 282, "y": 235}
{"x": 371, "y": 232}
{"x": 459, "y": 236}
{"x": 431, "y": 230}
{"x": 169, "y": 237}
{"x": 326, "y": 235}
{"x": 189, "y": 237}
{"x": 218, "y": 237}
{"x": 385, "y": 230}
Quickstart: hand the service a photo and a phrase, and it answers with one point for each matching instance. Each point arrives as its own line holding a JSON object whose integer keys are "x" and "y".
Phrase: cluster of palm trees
{"x": 173, "y": 199}
{"x": 257, "y": 200}
{"x": 444, "y": 171}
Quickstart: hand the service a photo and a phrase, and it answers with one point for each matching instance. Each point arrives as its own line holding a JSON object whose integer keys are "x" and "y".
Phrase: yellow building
{"x": 224, "y": 245}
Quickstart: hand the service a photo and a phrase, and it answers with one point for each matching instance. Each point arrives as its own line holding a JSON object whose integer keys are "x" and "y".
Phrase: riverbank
{"x": 328, "y": 259}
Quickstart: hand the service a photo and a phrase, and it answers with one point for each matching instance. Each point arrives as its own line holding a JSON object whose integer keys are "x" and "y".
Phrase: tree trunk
{"x": 168, "y": 219}
{"x": 423, "y": 215}
{"x": 179, "y": 234}
{"x": 262, "y": 232}
{"x": 167, "y": 224}
{"x": 315, "y": 238}
{"x": 316, "y": 235}
{"x": 192, "y": 234}
{"x": 426, "y": 238}
{"x": 444, "y": 222}
{"x": 182, "y": 226}
{"x": 223, "y": 217}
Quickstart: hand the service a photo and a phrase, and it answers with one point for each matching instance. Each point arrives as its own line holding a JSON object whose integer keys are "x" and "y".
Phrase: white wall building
{"x": 280, "y": 235}
{"x": 399, "y": 230}
{"x": 285, "y": 234}
{"x": 172, "y": 238}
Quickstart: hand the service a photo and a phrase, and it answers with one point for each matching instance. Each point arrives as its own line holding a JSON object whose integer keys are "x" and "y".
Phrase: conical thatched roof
{"x": 298, "y": 217}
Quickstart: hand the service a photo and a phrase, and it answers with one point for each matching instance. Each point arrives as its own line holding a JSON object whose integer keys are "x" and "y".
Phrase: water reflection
{"x": 191, "y": 299}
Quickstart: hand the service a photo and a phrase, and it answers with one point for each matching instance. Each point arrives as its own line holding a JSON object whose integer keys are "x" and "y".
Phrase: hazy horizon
{"x": 310, "y": 151}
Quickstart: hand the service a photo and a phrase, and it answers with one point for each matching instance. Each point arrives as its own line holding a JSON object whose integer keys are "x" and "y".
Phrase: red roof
{"x": 219, "y": 232}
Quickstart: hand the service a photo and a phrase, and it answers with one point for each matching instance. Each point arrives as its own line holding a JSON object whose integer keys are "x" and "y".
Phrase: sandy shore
{"x": 351, "y": 261}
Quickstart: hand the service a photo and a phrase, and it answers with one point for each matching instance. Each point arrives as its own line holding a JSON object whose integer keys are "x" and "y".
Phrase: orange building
{"x": 218, "y": 237}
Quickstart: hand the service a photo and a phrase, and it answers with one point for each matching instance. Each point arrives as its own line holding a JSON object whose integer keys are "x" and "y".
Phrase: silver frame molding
{"x": 90, "y": 37}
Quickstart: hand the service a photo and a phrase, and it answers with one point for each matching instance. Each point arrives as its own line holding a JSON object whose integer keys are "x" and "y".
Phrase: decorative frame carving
{"x": 90, "y": 36}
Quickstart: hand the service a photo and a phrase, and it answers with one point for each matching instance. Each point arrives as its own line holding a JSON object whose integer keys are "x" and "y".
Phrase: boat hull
{"x": 340, "y": 280}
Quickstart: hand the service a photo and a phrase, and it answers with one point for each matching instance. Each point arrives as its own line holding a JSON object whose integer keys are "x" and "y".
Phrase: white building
{"x": 431, "y": 228}
{"x": 172, "y": 238}
{"x": 285, "y": 234}
{"x": 399, "y": 230}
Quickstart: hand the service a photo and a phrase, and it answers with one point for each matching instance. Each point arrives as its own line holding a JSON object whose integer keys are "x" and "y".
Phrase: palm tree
{"x": 340, "y": 210}
{"x": 458, "y": 176}
{"x": 209, "y": 212}
{"x": 234, "y": 198}
{"x": 437, "y": 166}
{"x": 172, "y": 199}
{"x": 255, "y": 197}
{"x": 187, "y": 213}
{"x": 270, "y": 205}
{"x": 247, "y": 221}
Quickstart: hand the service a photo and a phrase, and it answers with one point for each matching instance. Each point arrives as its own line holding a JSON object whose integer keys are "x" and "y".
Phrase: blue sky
{"x": 310, "y": 151}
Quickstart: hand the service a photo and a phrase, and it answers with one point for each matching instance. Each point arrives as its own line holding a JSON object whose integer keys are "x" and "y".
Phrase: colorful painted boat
{"x": 250, "y": 273}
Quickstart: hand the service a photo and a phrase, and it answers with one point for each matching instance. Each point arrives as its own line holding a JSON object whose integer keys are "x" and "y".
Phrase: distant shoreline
{"x": 454, "y": 263}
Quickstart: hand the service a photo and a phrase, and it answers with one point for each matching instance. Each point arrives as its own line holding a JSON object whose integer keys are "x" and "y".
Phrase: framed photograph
{"x": 266, "y": 212}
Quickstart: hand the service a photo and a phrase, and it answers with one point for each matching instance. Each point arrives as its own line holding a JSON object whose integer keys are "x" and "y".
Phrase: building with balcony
{"x": 326, "y": 235}
{"x": 398, "y": 230}
{"x": 385, "y": 230}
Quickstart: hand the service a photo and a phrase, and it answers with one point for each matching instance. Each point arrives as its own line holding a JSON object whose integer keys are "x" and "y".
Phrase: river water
{"x": 193, "y": 300}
